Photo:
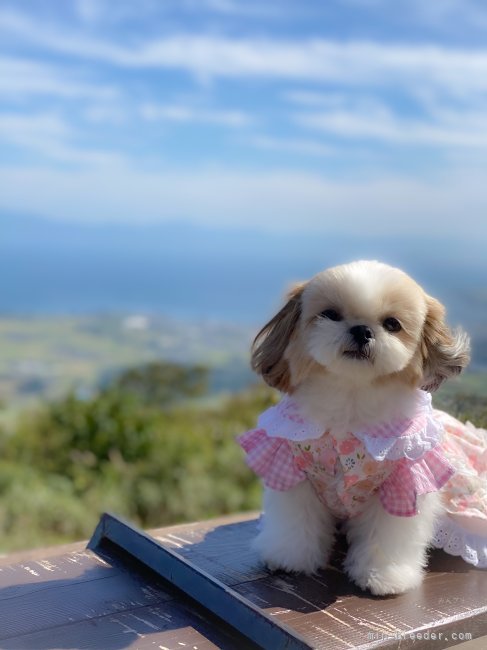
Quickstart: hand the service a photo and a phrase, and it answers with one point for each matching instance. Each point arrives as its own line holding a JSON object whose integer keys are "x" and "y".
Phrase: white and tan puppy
{"x": 352, "y": 346}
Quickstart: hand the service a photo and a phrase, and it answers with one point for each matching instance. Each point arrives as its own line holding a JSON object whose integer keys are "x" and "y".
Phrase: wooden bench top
{"x": 121, "y": 593}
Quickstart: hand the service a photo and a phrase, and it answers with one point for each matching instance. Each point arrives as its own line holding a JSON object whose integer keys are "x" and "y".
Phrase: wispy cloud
{"x": 106, "y": 113}
{"x": 443, "y": 129}
{"x": 326, "y": 126}
{"x": 23, "y": 129}
{"x": 20, "y": 77}
{"x": 126, "y": 11}
{"x": 272, "y": 200}
{"x": 187, "y": 114}
{"x": 448, "y": 15}
{"x": 299, "y": 146}
{"x": 50, "y": 136}
{"x": 239, "y": 8}
{"x": 350, "y": 63}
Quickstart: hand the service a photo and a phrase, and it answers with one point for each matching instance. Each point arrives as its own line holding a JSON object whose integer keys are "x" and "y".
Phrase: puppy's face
{"x": 361, "y": 321}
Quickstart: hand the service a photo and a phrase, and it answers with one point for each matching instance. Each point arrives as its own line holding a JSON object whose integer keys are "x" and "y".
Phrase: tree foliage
{"x": 131, "y": 449}
{"x": 163, "y": 384}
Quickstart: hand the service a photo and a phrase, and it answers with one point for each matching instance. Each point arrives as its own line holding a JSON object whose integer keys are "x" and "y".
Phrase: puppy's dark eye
{"x": 391, "y": 324}
{"x": 331, "y": 314}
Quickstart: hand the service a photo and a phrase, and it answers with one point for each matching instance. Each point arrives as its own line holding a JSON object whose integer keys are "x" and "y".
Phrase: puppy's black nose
{"x": 362, "y": 334}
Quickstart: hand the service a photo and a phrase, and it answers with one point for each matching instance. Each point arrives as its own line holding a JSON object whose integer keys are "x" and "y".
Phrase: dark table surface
{"x": 71, "y": 597}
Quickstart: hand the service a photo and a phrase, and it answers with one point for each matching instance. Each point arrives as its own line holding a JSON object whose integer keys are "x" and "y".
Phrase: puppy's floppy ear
{"x": 271, "y": 342}
{"x": 445, "y": 353}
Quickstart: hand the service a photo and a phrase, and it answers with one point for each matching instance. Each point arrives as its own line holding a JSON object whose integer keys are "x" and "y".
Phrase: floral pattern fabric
{"x": 463, "y": 528}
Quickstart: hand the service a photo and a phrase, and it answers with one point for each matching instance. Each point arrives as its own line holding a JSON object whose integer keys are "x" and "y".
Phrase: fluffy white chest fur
{"x": 341, "y": 404}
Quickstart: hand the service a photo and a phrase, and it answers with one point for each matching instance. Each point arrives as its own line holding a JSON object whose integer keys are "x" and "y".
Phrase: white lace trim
{"x": 285, "y": 421}
{"x": 412, "y": 446}
{"x": 454, "y": 540}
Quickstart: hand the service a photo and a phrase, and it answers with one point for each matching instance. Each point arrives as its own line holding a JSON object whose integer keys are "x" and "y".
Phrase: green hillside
{"x": 45, "y": 357}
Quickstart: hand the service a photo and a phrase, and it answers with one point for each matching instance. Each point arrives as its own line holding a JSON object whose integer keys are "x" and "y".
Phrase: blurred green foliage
{"x": 465, "y": 406}
{"x": 163, "y": 384}
{"x": 142, "y": 447}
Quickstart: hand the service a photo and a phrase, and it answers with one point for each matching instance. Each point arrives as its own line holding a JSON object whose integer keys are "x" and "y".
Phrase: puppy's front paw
{"x": 299, "y": 558}
{"x": 385, "y": 581}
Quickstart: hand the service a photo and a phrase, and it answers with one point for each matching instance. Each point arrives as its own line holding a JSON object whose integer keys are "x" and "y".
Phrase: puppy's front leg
{"x": 297, "y": 530}
{"x": 387, "y": 554}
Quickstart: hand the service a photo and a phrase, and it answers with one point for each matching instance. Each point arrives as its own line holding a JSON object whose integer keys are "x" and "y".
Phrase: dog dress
{"x": 399, "y": 461}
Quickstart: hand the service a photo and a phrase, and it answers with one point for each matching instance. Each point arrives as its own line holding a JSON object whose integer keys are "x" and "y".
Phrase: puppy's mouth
{"x": 361, "y": 355}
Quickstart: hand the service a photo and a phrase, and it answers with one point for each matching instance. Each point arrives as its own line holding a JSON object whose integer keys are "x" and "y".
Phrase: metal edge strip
{"x": 212, "y": 594}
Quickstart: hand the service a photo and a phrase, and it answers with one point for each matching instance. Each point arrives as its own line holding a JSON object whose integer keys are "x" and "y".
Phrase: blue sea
{"x": 191, "y": 272}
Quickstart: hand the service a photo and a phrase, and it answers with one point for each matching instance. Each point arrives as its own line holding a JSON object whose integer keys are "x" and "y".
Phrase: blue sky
{"x": 339, "y": 116}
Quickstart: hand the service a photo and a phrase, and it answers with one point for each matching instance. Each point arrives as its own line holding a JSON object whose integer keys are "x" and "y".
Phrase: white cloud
{"x": 107, "y": 13}
{"x": 364, "y": 76}
{"x": 22, "y": 128}
{"x": 24, "y": 77}
{"x": 89, "y": 11}
{"x": 349, "y": 63}
{"x": 443, "y": 129}
{"x": 50, "y": 136}
{"x": 361, "y": 102}
{"x": 127, "y": 11}
{"x": 299, "y": 146}
{"x": 316, "y": 98}
{"x": 256, "y": 8}
{"x": 449, "y": 15}
{"x": 451, "y": 206}
{"x": 187, "y": 114}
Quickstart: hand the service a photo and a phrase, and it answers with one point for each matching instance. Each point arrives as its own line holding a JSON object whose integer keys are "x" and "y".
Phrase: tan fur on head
{"x": 270, "y": 344}
{"x": 315, "y": 334}
{"x": 444, "y": 353}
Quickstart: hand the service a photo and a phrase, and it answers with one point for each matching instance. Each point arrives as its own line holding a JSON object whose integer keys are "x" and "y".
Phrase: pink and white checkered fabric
{"x": 271, "y": 459}
{"x": 400, "y": 491}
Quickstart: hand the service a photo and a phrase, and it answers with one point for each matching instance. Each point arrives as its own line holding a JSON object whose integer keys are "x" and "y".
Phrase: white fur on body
{"x": 297, "y": 530}
{"x": 386, "y": 555}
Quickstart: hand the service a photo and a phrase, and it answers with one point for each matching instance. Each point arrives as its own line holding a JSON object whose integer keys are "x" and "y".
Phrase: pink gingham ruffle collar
{"x": 409, "y": 438}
